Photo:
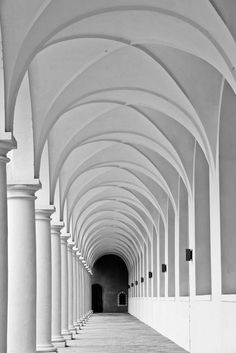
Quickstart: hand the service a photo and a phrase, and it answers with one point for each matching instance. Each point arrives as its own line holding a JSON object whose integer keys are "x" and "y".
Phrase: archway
{"x": 111, "y": 275}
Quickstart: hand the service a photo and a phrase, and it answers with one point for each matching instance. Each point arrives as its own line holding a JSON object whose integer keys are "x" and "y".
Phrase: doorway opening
{"x": 97, "y": 301}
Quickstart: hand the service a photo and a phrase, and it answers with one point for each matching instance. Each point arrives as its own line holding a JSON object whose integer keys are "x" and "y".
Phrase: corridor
{"x": 119, "y": 333}
{"x": 118, "y": 176}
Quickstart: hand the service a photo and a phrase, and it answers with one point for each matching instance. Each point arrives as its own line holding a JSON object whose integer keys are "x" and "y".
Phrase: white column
{"x": 21, "y": 268}
{"x": 57, "y": 337}
{"x": 83, "y": 292}
{"x": 70, "y": 286}
{"x": 74, "y": 251}
{"x": 5, "y": 146}
{"x": 44, "y": 278}
{"x": 80, "y": 290}
{"x": 78, "y": 287}
{"x": 64, "y": 288}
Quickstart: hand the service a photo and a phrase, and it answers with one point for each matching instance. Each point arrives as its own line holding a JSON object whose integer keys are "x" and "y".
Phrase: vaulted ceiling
{"x": 118, "y": 94}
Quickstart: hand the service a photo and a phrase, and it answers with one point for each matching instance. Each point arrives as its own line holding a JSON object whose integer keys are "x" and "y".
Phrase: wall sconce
{"x": 163, "y": 268}
{"x": 136, "y": 283}
{"x": 128, "y": 286}
{"x": 149, "y": 274}
{"x": 142, "y": 279}
{"x": 189, "y": 254}
{"x": 132, "y": 284}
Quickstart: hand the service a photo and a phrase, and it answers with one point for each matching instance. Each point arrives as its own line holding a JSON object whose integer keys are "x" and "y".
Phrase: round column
{"x": 80, "y": 290}
{"x": 44, "y": 277}
{"x": 57, "y": 337}
{"x": 5, "y": 146}
{"x": 74, "y": 251}
{"x": 21, "y": 268}
{"x": 70, "y": 286}
{"x": 64, "y": 288}
{"x": 78, "y": 287}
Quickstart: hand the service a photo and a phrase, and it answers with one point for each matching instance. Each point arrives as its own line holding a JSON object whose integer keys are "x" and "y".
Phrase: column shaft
{"x": 64, "y": 287}
{"x": 70, "y": 286}
{"x": 74, "y": 287}
{"x": 44, "y": 277}
{"x": 57, "y": 337}
{"x": 5, "y": 145}
{"x": 78, "y": 289}
{"x": 3, "y": 255}
{"x": 22, "y": 269}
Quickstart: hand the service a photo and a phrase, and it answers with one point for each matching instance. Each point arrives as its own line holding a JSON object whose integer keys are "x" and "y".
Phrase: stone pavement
{"x": 119, "y": 333}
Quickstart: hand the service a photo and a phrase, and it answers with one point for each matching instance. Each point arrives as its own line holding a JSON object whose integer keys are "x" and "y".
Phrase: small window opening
{"x": 122, "y": 299}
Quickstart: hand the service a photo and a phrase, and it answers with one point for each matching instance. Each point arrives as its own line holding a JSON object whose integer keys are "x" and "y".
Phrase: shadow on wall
{"x": 110, "y": 285}
{"x": 97, "y": 302}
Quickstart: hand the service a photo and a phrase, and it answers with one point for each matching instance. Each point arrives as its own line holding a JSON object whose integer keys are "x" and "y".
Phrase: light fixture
{"x": 189, "y": 254}
{"x": 163, "y": 268}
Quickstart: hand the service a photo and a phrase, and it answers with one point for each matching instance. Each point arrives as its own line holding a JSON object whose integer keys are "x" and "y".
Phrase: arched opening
{"x": 97, "y": 302}
{"x": 111, "y": 274}
{"x": 122, "y": 299}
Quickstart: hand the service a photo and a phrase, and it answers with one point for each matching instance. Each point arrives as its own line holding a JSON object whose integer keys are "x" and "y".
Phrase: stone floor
{"x": 119, "y": 333}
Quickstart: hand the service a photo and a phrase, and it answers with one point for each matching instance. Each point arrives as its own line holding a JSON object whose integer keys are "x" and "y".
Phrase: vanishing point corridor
{"x": 119, "y": 333}
{"x": 117, "y": 176}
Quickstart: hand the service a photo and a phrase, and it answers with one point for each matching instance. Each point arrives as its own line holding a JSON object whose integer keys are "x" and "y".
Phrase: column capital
{"x": 56, "y": 228}
{"x": 65, "y": 237}
{"x": 74, "y": 250}
{"x": 78, "y": 253}
{"x": 71, "y": 245}
{"x": 44, "y": 214}
{"x": 7, "y": 143}
{"x": 21, "y": 191}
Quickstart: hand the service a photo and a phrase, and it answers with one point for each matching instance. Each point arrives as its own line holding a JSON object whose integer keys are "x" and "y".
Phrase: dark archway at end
{"x": 97, "y": 303}
{"x": 111, "y": 274}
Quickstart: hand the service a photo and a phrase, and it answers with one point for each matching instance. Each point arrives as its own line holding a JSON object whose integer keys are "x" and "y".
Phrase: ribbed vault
{"x": 115, "y": 116}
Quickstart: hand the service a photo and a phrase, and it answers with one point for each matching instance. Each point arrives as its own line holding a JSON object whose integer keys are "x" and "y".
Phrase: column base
{"x": 77, "y": 329}
{"x": 73, "y": 330}
{"x": 67, "y": 335}
{"x": 46, "y": 348}
{"x": 59, "y": 341}
{"x": 79, "y": 324}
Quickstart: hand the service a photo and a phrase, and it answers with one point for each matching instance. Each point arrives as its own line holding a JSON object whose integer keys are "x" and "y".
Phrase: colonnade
{"x": 45, "y": 283}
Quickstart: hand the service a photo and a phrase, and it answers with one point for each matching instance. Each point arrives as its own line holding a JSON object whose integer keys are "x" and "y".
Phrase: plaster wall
{"x": 199, "y": 325}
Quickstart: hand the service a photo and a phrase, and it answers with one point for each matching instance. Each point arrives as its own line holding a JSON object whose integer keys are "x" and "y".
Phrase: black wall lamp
{"x": 142, "y": 279}
{"x": 189, "y": 254}
{"x": 136, "y": 283}
{"x": 163, "y": 268}
{"x": 132, "y": 284}
{"x": 149, "y": 274}
{"x": 128, "y": 286}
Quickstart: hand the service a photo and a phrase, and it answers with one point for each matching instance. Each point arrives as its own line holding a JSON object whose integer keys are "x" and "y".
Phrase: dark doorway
{"x": 111, "y": 273}
{"x": 97, "y": 303}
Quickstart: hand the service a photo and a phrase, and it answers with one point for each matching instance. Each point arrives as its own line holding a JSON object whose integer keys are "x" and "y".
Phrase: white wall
{"x": 199, "y": 326}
